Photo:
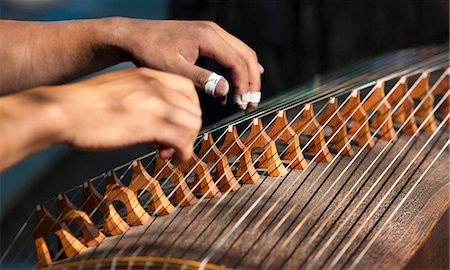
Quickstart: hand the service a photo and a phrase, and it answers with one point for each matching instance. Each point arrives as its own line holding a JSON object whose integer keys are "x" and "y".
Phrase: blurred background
{"x": 295, "y": 41}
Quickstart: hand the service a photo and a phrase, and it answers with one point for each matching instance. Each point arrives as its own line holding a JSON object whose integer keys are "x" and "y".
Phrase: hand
{"x": 109, "y": 111}
{"x": 174, "y": 46}
{"x": 134, "y": 106}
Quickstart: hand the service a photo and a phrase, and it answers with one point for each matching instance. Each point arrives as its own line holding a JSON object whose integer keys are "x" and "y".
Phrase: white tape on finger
{"x": 254, "y": 97}
{"x": 241, "y": 99}
{"x": 244, "y": 99}
{"x": 211, "y": 83}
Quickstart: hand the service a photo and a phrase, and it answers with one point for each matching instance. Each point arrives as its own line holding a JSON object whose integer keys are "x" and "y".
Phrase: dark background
{"x": 295, "y": 41}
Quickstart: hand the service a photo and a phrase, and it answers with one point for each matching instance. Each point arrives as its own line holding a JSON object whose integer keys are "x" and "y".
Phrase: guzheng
{"x": 351, "y": 172}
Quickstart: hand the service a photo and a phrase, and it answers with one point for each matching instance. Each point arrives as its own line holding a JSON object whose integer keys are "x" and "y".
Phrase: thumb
{"x": 204, "y": 79}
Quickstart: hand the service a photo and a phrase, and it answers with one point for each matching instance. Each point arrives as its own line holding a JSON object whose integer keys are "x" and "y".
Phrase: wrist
{"x": 45, "y": 114}
{"x": 95, "y": 39}
{"x": 109, "y": 34}
{"x": 29, "y": 123}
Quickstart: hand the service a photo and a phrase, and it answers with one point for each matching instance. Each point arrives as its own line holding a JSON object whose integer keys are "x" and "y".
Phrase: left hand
{"x": 175, "y": 46}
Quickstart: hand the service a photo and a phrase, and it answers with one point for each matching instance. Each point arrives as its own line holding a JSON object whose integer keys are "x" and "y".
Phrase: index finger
{"x": 254, "y": 68}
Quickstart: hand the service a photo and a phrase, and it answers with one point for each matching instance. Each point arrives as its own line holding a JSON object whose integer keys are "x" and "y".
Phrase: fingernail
{"x": 222, "y": 88}
{"x": 243, "y": 107}
{"x": 261, "y": 68}
{"x": 166, "y": 153}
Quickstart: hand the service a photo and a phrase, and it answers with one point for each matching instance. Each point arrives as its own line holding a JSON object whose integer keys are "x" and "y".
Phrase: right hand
{"x": 128, "y": 107}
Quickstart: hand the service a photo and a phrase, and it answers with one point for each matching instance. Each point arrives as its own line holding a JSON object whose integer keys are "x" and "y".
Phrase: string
{"x": 406, "y": 182}
{"x": 356, "y": 183}
{"x": 16, "y": 237}
{"x": 173, "y": 192}
{"x": 237, "y": 159}
{"x": 240, "y": 221}
{"x": 378, "y": 179}
{"x": 377, "y": 234}
{"x": 332, "y": 137}
{"x": 121, "y": 236}
{"x": 311, "y": 93}
{"x": 346, "y": 246}
{"x": 78, "y": 189}
{"x": 298, "y": 227}
{"x": 260, "y": 221}
{"x": 268, "y": 125}
{"x": 253, "y": 163}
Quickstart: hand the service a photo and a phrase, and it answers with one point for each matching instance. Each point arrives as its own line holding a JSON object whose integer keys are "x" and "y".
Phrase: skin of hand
{"x": 39, "y": 53}
{"x": 106, "y": 112}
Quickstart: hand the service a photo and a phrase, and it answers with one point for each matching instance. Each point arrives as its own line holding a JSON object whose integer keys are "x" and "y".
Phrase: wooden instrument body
{"x": 393, "y": 250}
{"x": 305, "y": 187}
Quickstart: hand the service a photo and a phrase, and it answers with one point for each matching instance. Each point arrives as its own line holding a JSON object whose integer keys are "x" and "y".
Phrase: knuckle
{"x": 200, "y": 78}
{"x": 205, "y": 26}
{"x": 211, "y": 23}
{"x": 253, "y": 55}
{"x": 240, "y": 64}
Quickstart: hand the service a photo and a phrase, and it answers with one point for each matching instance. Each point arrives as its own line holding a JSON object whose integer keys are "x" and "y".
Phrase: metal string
{"x": 237, "y": 159}
{"x": 387, "y": 66}
{"x": 274, "y": 218}
{"x": 238, "y": 223}
{"x": 364, "y": 251}
{"x": 78, "y": 189}
{"x": 348, "y": 166}
{"x": 123, "y": 165}
{"x": 376, "y": 181}
{"x": 394, "y": 197}
{"x": 348, "y": 194}
{"x": 346, "y": 246}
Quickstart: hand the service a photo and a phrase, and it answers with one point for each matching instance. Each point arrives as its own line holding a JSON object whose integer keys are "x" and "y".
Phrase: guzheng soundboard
{"x": 349, "y": 173}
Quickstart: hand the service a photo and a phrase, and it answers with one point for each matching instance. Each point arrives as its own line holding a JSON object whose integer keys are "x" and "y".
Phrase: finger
{"x": 172, "y": 136}
{"x": 201, "y": 76}
{"x": 166, "y": 152}
{"x": 261, "y": 68}
{"x": 254, "y": 98}
{"x": 247, "y": 53}
{"x": 214, "y": 46}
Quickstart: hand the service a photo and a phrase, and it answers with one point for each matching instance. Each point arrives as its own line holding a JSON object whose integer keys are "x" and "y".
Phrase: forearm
{"x": 29, "y": 122}
{"x": 47, "y": 53}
